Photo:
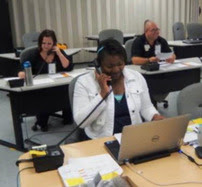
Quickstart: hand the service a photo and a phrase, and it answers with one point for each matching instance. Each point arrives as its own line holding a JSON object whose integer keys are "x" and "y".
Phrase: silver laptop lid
{"x": 151, "y": 137}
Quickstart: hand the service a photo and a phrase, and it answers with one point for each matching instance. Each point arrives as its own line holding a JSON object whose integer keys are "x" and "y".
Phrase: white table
{"x": 24, "y": 101}
{"x": 9, "y": 56}
{"x": 96, "y": 37}
{"x": 93, "y": 49}
{"x": 184, "y": 50}
{"x": 9, "y": 62}
{"x": 180, "y": 43}
{"x": 49, "y": 97}
{"x": 69, "y": 52}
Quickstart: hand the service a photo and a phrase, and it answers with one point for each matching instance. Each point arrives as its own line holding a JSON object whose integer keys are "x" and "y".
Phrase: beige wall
{"x": 74, "y": 19}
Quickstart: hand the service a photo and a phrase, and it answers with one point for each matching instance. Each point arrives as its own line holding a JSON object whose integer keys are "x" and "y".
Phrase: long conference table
{"x": 168, "y": 170}
{"x": 9, "y": 62}
{"x": 184, "y": 50}
{"x": 126, "y": 36}
{"x": 31, "y": 100}
{"x": 181, "y": 50}
{"x": 46, "y": 95}
{"x": 172, "y": 78}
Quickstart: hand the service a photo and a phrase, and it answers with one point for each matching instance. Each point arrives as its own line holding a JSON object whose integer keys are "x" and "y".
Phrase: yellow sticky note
{"x": 197, "y": 121}
{"x": 65, "y": 74}
{"x": 75, "y": 181}
{"x": 109, "y": 176}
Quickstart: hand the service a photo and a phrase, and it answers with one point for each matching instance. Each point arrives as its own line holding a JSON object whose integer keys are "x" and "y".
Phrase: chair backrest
{"x": 194, "y": 30}
{"x": 179, "y": 31}
{"x": 190, "y": 100}
{"x": 71, "y": 89}
{"x": 30, "y": 39}
{"x": 128, "y": 47}
{"x": 111, "y": 33}
{"x": 71, "y": 96}
{"x": 27, "y": 52}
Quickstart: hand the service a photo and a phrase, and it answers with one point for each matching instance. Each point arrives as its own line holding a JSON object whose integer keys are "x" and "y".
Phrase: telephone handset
{"x": 51, "y": 51}
{"x": 97, "y": 67}
{"x": 99, "y": 71}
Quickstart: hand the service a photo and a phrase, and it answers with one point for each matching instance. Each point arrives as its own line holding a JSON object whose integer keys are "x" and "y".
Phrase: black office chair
{"x": 160, "y": 98}
{"x": 179, "y": 32}
{"x": 189, "y": 101}
{"x": 71, "y": 96}
{"x": 128, "y": 48}
{"x": 30, "y": 39}
{"x": 194, "y": 30}
{"x": 111, "y": 33}
{"x": 27, "y": 53}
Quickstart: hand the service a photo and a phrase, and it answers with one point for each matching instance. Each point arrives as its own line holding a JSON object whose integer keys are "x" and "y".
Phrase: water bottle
{"x": 28, "y": 73}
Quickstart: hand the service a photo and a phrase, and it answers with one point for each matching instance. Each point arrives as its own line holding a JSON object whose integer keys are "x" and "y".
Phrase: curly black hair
{"x": 46, "y": 33}
{"x": 110, "y": 47}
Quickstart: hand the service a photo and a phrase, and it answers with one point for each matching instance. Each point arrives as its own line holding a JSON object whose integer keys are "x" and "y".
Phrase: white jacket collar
{"x": 129, "y": 75}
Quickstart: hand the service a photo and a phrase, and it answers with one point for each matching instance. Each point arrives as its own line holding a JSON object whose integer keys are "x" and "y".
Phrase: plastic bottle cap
{"x": 27, "y": 64}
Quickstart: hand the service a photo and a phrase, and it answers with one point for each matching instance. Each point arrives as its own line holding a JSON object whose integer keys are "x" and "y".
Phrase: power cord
{"x": 23, "y": 160}
{"x": 17, "y": 178}
{"x": 140, "y": 173}
{"x": 190, "y": 158}
{"x": 29, "y": 139}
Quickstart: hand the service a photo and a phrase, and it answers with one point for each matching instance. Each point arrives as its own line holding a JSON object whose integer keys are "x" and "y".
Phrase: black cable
{"x": 75, "y": 129}
{"x": 190, "y": 158}
{"x": 39, "y": 70}
{"x": 20, "y": 172}
{"x": 78, "y": 126}
{"x": 29, "y": 140}
{"x": 44, "y": 62}
{"x": 23, "y": 160}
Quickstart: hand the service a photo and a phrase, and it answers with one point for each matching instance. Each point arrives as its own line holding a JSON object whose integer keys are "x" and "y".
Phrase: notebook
{"x": 149, "y": 140}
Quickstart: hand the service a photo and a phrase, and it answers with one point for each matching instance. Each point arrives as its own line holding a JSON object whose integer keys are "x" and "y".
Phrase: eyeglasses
{"x": 155, "y": 30}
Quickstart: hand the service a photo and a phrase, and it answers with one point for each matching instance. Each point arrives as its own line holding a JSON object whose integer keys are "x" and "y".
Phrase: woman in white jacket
{"x": 128, "y": 102}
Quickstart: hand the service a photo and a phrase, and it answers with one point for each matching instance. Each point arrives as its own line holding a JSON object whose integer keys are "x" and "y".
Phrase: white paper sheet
{"x": 58, "y": 75}
{"x": 164, "y": 56}
{"x": 118, "y": 137}
{"x": 43, "y": 81}
{"x": 86, "y": 168}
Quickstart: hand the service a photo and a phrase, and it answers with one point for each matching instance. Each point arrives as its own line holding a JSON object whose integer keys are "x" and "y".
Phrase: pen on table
{"x": 196, "y": 131}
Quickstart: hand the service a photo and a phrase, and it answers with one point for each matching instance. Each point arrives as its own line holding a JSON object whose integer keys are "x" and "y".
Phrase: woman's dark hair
{"x": 46, "y": 33}
{"x": 110, "y": 47}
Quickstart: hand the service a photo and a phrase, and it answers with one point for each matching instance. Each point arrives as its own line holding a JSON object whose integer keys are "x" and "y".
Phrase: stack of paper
{"x": 80, "y": 171}
{"x": 191, "y": 135}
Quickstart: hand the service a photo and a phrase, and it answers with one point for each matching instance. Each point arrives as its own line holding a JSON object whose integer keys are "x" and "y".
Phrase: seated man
{"x": 145, "y": 48}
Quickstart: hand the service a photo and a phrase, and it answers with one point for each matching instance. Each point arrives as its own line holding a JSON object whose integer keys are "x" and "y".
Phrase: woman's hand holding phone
{"x": 103, "y": 80}
{"x": 56, "y": 50}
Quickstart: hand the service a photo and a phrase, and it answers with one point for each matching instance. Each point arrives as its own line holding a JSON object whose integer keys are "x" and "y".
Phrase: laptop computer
{"x": 149, "y": 140}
